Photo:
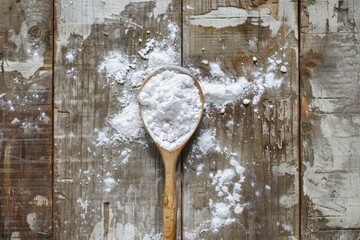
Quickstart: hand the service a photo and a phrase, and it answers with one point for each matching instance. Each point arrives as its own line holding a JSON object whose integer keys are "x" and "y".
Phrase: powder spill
{"x": 227, "y": 184}
{"x": 128, "y": 124}
{"x": 171, "y": 108}
{"x": 115, "y": 66}
{"x": 206, "y": 142}
{"x": 225, "y": 90}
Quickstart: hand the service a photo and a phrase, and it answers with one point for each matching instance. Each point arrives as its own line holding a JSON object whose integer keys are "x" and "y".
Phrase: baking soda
{"x": 171, "y": 108}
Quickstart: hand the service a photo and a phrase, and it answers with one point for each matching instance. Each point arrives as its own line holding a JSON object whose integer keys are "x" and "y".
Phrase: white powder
{"x": 216, "y": 71}
{"x": 221, "y": 94}
{"x": 125, "y": 154}
{"x": 283, "y": 69}
{"x": 115, "y": 66}
{"x": 128, "y": 124}
{"x": 199, "y": 169}
{"x": 206, "y": 142}
{"x": 161, "y": 57}
{"x": 226, "y": 91}
{"x": 246, "y": 101}
{"x": 109, "y": 183}
{"x": 173, "y": 30}
{"x": 171, "y": 108}
{"x": 227, "y": 184}
{"x": 148, "y": 47}
{"x": 70, "y": 56}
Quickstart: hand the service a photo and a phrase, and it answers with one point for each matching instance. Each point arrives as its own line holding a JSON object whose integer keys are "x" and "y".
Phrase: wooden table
{"x": 298, "y": 145}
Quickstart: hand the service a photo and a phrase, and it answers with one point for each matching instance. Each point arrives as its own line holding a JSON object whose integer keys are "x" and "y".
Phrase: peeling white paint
{"x": 116, "y": 231}
{"x": 288, "y": 201}
{"x": 331, "y": 178}
{"x": 284, "y": 168}
{"x": 78, "y": 17}
{"x": 231, "y": 17}
{"x": 40, "y": 201}
{"x": 31, "y": 220}
{"x": 288, "y": 13}
{"x": 26, "y": 68}
{"x": 15, "y": 236}
{"x": 323, "y": 17}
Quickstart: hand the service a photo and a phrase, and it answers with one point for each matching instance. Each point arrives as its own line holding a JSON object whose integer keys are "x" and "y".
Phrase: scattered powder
{"x": 286, "y": 227}
{"x": 206, "y": 142}
{"x": 246, "y": 101}
{"x": 161, "y": 57}
{"x": 148, "y": 47}
{"x": 199, "y": 168}
{"x": 173, "y": 30}
{"x": 227, "y": 184}
{"x": 70, "y": 56}
{"x": 137, "y": 78}
{"x": 215, "y": 70}
{"x": 221, "y": 94}
{"x": 153, "y": 236}
{"x": 115, "y": 66}
{"x": 171, "y": 108}
{"x": 283, "y": 69}
{"x": 128, "y": 124}
{"x": 102, "y": 137}
{"x": 226, "y": 91}
{"x": 125, "y": 154}
{"x": 109, "y": 183}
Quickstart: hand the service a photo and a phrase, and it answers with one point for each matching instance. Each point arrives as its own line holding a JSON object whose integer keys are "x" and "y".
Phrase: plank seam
{"x": 299, "y": 124}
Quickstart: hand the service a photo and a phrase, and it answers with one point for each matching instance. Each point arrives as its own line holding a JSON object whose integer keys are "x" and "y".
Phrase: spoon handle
{"x": 170, "y": 207}
{"x": 170, "y": 201}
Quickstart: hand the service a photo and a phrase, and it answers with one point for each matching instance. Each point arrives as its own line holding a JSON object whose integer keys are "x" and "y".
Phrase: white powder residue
{"x": 153, "y": 236}
{"x": 70, "y": 56}
{"x": 221, "y": 94}
{"x": 115, "y": 66}
{"x": 286, "y": 227}
{"x": 173, "y": 30}
{"x": 137, "y": 78}
{"x": 125, "y": 154}
{"x": 128, "y": 124}
{"x": 199, "y": 168}
{"x": 226, "y": 91}
{"x": 215, "y": 70}
{"x": 171, "y": 108}
{"x": 227, "y": 184}
{"x": 160, "y": 57}
{"x": 102, "y": 137}
{"x": 148, "y": 47}
{"x": 206, "y": 142}
{"x": 109, "y": 183}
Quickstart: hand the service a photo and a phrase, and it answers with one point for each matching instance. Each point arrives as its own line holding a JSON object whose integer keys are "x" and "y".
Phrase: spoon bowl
{"x": 169, "y": 155}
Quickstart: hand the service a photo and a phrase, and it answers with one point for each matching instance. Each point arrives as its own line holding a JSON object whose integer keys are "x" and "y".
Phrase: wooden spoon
{"x": 170, "y": 159}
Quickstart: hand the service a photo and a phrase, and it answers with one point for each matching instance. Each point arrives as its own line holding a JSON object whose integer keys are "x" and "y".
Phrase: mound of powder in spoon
{"x": 171, "y": 108}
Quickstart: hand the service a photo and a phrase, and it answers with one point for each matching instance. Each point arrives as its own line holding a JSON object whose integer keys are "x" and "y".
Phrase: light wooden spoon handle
{"x": 170, "y": 206}
{"x": 170, "y": 201}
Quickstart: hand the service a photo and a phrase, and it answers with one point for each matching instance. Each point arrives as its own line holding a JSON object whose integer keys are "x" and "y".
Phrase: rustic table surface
{"x": 75, "y": 162}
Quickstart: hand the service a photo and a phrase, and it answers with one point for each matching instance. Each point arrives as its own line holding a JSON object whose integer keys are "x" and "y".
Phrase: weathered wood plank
{"x": 107, "y": 186}
{"x": 330, "y": 119}
{"x": 26, "y": 119}
{"x": 260, "y": 139}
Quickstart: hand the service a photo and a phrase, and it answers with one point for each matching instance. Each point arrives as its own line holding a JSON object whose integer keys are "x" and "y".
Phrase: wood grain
{"x": 86, "y": 206}
{"x": 330, "y": 126}
{"x": 26, "y": 119}
{"x": 261, "y": 137}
